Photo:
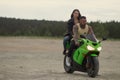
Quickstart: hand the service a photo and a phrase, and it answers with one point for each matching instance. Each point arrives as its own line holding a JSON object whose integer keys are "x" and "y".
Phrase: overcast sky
{"x": 103, "y": 10}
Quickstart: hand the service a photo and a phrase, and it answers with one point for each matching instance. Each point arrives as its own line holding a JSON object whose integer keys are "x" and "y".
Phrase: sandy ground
{"x": 42, "y": 59}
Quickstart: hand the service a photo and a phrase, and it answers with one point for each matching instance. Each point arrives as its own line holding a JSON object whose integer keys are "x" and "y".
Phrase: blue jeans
{"x": 65, "y": 40}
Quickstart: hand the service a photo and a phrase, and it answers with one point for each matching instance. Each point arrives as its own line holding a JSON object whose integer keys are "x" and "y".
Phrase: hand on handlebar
{"x": 77, "y": 43}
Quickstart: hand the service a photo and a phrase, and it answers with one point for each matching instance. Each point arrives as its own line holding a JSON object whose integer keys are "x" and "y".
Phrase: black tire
{"x": 94, "y": 67}
{"x": 67, "y": 68}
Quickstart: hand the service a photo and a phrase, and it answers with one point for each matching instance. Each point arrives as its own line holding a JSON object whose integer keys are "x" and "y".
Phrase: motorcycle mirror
{"x": 104, "y": 38}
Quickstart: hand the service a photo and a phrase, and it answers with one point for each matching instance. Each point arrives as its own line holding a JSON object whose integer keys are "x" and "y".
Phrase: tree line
{"x": 25, "y": 27}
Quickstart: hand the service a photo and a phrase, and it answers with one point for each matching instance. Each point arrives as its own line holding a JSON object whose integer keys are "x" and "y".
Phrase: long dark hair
{"x": 77, "y": 11}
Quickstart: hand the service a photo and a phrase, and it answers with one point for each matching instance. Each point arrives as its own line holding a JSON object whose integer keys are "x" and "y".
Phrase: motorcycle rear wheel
{"x": 67, "y": 64}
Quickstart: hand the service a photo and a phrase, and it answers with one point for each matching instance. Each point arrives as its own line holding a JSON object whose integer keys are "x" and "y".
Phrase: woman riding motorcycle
{"x": 80, "y": 29}
{"x": 75, "y": 16}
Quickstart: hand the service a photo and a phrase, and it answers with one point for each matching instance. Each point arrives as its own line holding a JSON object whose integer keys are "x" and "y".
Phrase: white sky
{"x": 103, "y": 10}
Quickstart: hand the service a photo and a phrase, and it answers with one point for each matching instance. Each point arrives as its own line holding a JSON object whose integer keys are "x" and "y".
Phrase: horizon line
{"x": 52, "y": 20}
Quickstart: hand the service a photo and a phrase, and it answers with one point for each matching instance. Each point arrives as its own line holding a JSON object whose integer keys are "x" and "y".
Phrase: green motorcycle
{"x": 84, "y": 58}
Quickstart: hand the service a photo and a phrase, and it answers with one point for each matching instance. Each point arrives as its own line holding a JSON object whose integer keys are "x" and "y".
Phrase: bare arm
{"x": 75, "y": 33}
{"x": 92, "y": 33}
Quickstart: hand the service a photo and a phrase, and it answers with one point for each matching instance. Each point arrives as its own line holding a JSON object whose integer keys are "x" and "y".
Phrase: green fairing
{"x": 93, "y": 54}
{"x": 79, "y": 54}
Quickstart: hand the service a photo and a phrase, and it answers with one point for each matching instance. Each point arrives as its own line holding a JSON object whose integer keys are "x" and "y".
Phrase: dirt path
{"x": 41, "y": 59}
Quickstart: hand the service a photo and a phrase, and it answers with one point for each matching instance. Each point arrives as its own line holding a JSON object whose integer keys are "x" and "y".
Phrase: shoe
{"x": 64, "y": 52}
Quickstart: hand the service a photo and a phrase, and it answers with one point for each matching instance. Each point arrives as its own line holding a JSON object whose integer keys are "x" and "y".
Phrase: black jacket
{"x": 70, "y": 24}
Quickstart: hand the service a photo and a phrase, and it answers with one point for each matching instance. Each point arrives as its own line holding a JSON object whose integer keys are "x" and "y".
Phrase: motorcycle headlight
{"x": 90, "y": 47}
{"x": 99, "y": 48}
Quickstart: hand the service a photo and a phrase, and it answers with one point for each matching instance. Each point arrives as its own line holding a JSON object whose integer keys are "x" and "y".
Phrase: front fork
{"x": 89, "y": 60}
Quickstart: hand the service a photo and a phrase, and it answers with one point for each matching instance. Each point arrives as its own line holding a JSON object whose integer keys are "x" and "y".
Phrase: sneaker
{"x": 64, "y": 52}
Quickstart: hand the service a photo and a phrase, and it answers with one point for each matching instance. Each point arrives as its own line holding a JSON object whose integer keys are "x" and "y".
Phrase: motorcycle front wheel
{"x": 94, "y": 67}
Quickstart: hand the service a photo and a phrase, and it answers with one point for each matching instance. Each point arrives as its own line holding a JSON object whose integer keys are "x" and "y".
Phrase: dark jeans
{"x": 72, "y": 47}
{"x": 65, "y": 40}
